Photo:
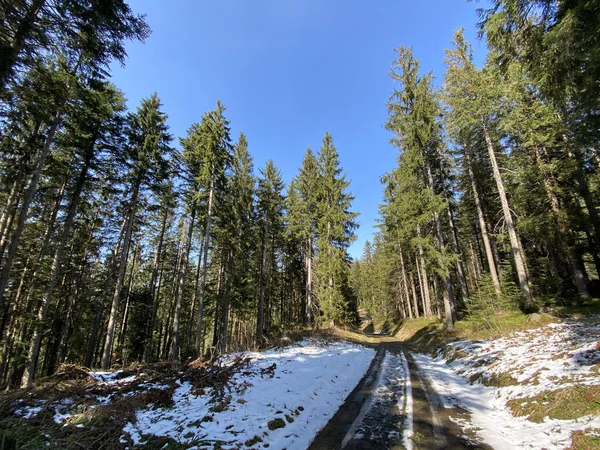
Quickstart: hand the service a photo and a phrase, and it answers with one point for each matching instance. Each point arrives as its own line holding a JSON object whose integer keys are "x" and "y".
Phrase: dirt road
{"x": 394, "y": 407}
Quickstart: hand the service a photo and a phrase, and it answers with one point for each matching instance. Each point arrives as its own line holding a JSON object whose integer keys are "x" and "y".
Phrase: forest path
{"x": 394, "y": 407}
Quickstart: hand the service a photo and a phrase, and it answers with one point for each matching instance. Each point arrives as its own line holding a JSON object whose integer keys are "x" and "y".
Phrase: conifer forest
{"x": 121, "y": 242}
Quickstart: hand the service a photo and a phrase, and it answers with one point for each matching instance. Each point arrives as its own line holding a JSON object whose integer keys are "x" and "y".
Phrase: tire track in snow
{"x": 393, "y": 407}
{"x": 407, "y": 406}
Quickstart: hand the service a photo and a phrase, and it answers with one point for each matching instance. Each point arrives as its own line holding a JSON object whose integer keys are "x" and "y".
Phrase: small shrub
{"x": 276, "y": 424}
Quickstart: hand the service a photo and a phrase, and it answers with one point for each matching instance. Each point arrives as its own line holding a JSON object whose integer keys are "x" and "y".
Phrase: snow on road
{"x": 545, "y": 359}
{"x": 309, "y": 383}
{"x": 386, "y": 418}
{"x": 407, "y": 406}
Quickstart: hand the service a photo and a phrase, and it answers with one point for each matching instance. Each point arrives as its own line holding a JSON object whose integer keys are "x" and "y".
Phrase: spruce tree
{"x": 147, "y": 152}
{"x": 335, "y": 227}
{"x": 270, "y": 210}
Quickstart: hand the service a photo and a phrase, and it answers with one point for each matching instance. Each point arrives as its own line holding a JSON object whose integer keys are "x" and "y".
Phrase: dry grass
{"x": 502, "y": 379}
{"x": 567, "y": 403}
{"x": 586, "y": 439}
{"x": 96, "y": 425}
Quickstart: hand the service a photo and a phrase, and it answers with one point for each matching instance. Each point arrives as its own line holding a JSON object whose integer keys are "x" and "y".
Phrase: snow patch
{"x": 309, "y": 383}
{"x": 549, "y": 358}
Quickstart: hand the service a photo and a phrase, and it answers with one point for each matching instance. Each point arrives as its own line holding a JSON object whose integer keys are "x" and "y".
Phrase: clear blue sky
{"x": 290, "y": 69}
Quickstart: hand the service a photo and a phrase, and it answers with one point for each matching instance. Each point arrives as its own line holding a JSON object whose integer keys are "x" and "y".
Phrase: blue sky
{"x": 288, "y": 70}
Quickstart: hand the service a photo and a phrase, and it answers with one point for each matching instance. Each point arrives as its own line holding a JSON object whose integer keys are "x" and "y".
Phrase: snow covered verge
{"x": 275, "y": 399}
{"x": 532, "y": 389}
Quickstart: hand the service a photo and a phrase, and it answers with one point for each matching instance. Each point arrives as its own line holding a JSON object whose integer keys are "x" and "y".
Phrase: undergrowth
{"x": 428, "y": 335}
{"x": 586, "y": 440}
{"x": 567, "y": 403}
{"x": 96, "y": 411}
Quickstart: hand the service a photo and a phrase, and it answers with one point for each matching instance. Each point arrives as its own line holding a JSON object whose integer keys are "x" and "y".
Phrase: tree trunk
{"x": 29, "y": 193}
{"x": 483, "y": 227}
{"x": 260, "y": 317}
{"x": 403, "y": 270}
{"x": 205, "y": 243}
{"x": 114, "y": 309}
{"x": 424, "y": 293}
{"x": 222, "y": 339}
{"x": 195, "y": 294}
{"x": 9, "y": 58}
{"x": 181, "y": 286}
{"x": 131, "y": 279}
{"x": 37, "y": 261}
{"x": 578, "y": 276}
{"x": 153, "y": 288}
{"x": 8, "y": 215}
{"x": 460, "y": 267}
{"x": 36, "y": 340}
{"x": 447, "y": 293}
{"x": 512, "y": 232}
{"x": 309, "y": 295}
{"x": 424, "y": 280}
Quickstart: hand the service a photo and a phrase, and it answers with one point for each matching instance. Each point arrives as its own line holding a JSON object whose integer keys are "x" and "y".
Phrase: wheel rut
{"x": 394, "y": 407}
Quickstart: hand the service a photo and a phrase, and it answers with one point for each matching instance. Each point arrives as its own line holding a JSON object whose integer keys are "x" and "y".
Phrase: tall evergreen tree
{"x": 147, "y": 153}
{"x": 335, "y": 227}
{"x": 270, "y": 209}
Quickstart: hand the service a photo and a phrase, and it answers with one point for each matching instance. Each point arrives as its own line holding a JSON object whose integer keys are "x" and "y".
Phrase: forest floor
{"x": 534, "y": 389}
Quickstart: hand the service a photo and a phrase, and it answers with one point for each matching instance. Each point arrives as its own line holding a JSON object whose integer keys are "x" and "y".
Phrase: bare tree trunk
{"x": 37, "y": 263}
{"x": 114, "y": 309}
{"x": 424, "y": 280}
{"x": 93, "y": 340}
{"x": 224, "y": 328}
{"x": 414, "y": 295}
{"x": 424, "y": 291}
{"x": 403, "y": 270}
{"x": 447, "y": 293}
{"x": 218, "y": 305}
{"x": 205, "y": 244}
{"x": 309, "y": 294}
{"x": 181, "y": 286}
{"x": 460, "y": 267}
{"x": 195, "y": 293}
{"x": 474, "y": 266}
{"x": 153, "y": 288}
{"x": 584, "y": 191}
{"x": 512, "y": 232}
{"x": 8, "y": 215}
{"x": 578, "y": 276}
{"x": 260, "y": 317}
{"x": 483, "y": 227}
{"x": 29, "y": 193}
{"x": 36, "y": 340}
{"x": 131, "y": 279}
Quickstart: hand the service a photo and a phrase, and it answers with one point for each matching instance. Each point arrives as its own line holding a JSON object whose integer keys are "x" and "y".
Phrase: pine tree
{"x": 302, "y": 206}
{"x": 270, "y": 209}
{"x": 235, "y": 236}
{"x": 93, "y": 127}
{"x": 147, "y": 152}
{"x": 472, "y": 101}
{"x": 208, "y": 153}
{"x": 414, "y": 201}
{"x": 335, "y": 231}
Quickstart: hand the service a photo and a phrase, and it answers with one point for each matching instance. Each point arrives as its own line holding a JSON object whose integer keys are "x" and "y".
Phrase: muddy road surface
{"x": 394, "y": 407}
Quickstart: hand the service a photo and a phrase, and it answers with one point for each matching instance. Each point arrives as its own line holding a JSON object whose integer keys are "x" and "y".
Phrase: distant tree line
{"x": 492, "y": 206}
{"x": 115, "y": 246}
